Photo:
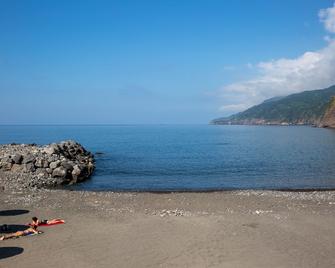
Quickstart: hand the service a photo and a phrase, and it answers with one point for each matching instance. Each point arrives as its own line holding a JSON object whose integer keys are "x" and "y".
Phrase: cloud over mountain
{"x": 312, "y": 70}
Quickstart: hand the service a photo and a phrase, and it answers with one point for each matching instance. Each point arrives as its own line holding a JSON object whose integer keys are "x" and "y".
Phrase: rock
{"x": 45, "y": 163}
{"x": 76, "y": 170}
{"x": 41, "y": 171}
{"x": 39, "y": 162}
{"x": 76, "y": 173}
{"x": 29, "y": 167}
{"x": 28, "y": 159}
{"x": 51, "y": 149}
{"x": 53, "y": 158}
{"x": 16, "y": 167}
{"x": 7, "y": 166}
{"x": 49, "y": 170}
{"x": 59, "y": 172}
{"x": 17, "y": 159}
{"x": 54, "y": 165}
{"x": 67, "y": 165}
{"x": 90, "y": 167}
{"x": 59, "y": 181}
{"x": 7, "y": 159}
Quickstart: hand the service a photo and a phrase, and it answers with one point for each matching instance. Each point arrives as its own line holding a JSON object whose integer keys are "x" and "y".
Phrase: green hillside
{"x": 307, "y": 107}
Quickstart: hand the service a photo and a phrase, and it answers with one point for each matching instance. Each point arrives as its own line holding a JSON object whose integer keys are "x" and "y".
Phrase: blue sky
{"x": 143, "y": 62}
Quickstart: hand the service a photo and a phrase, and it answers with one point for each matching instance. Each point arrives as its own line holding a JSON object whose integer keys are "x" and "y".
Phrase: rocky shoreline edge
{"x": 173, "y": 204}
{"x": 25, "y": 166}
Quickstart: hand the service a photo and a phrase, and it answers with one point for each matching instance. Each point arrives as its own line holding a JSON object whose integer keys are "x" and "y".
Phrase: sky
{"x": 158, "y": 62}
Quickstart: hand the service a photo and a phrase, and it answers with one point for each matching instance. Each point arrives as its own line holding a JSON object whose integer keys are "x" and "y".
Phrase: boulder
{"x": 67, "y": 165}
{"x": 90, "y": 167}
{"x": 54, "y": 165}
{"x": 76, "y": 173}
{"x": 39, "y": 162}
{"x": 59, "y": 172}
{"x": 29, "y": 167}
{"x": 17, "y": 158}
{"x": 16, "y": 168}
{"x": 52, "y": 158}
{"x": 45, "y": 163}
{"x": 7, "y": 166}
{"x": 29, "y": 158}
{"x": 53, "y": 148}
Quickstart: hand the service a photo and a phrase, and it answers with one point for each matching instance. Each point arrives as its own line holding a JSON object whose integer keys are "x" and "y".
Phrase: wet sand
{"x": 217, "y": 229}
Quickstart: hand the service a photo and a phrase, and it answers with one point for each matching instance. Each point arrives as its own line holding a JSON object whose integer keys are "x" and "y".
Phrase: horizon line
{"x": 102, "y": 124}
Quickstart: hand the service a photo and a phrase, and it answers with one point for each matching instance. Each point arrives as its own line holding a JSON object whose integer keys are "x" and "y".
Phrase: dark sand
{"x": 218, "y": 229}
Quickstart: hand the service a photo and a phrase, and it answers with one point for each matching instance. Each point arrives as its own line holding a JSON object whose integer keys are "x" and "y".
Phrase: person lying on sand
{"x": 36, "y": 222}
{"x": 28, "y": 231}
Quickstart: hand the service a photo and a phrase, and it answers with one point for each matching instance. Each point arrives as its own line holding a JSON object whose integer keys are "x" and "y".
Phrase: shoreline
{"x": 302, "y": 190}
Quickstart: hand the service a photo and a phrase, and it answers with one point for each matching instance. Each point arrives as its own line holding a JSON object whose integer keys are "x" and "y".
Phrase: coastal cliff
{"x": 305, "y": 108}
{"x": 29, "y": 165}
{"x": 328, "y": 119}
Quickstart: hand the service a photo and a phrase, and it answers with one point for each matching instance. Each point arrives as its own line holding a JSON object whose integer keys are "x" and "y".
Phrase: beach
{"x": 182, "y": 134}
{"x": 204, "y": 229}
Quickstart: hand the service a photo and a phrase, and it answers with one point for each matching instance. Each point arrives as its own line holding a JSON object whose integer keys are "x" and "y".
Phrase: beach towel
{"x": 30, "y": 234}
{"x": 53, "y": 222}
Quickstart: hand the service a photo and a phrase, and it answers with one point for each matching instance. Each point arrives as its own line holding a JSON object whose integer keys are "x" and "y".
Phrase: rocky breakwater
{"x": 29, "y": 165}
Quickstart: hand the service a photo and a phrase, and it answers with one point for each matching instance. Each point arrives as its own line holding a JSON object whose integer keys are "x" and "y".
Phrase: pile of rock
{"x": 63, "y": 163}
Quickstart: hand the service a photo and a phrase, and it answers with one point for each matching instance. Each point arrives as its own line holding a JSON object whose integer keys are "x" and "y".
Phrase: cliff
{"x": 328, "y": 119}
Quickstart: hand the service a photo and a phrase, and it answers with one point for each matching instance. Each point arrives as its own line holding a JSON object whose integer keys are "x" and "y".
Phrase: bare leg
{"x": 55, "y": 221}
{"x": 17, "y": 234}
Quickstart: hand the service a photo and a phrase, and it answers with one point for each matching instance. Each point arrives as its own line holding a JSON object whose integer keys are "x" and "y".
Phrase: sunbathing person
{"x": 36, "y": 222}
{"x": 28, "y": 231}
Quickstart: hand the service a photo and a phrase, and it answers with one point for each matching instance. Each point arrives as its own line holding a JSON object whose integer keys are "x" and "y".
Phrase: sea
{"x": 195, "y": 157}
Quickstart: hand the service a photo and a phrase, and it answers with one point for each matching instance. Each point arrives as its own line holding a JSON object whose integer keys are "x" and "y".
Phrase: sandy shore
{"x": 218, "y": 229}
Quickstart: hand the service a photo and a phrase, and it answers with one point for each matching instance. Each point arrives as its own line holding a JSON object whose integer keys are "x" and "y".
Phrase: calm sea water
{"x": 196, "y": 157}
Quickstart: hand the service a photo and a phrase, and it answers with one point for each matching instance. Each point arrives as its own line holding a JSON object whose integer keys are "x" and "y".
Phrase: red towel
{"x": 52, "y": 222}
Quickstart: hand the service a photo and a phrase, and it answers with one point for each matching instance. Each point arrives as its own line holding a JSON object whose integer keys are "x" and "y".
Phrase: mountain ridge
{"x": 304, "y": 108}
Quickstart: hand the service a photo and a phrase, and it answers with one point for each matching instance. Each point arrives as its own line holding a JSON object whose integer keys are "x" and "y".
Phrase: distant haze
{"x": 147, "y": 62}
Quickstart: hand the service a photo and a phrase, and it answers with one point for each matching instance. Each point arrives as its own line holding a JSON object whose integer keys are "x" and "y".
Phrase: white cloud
{"x": 312, "y": 70}
{"x": 327, "y": 16}
{"x": 232, "y": 107}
